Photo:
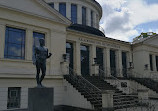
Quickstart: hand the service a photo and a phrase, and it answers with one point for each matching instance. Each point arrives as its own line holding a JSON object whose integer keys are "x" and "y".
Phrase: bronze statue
{"x": 40, "y": 56}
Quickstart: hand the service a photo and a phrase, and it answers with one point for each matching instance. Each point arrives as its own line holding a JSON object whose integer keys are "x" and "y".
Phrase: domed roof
{"x": 86, "y": 29}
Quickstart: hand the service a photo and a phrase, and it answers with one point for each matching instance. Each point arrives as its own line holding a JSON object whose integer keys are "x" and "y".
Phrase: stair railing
{"x": 89, "y": 88}
{"x": 149, "y": 82}
{"x": 116, "y": 81}
{"x": 150, "y": 75}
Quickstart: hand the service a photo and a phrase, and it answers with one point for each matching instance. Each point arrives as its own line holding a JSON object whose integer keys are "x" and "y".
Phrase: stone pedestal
{"x": 95, "y": 69}
{"x": 143, "y": 95}
{"x": 65, "y": 68}
{"x": 41, "y": 99}
{"x": 107, "y": 100}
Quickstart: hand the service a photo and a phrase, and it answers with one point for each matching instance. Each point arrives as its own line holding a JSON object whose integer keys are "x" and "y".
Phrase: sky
{"x": 127, "y": 19}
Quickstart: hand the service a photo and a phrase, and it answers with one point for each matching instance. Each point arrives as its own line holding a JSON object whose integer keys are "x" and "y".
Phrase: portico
{"x": 112, "y": 58}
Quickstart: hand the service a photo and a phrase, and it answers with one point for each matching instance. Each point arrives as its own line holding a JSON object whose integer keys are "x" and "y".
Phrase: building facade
{"x": 71, "y": 28}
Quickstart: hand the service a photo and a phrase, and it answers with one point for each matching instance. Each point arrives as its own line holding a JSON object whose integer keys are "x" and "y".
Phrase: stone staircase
{"x": 148, "y": 82}
{"x": 121, "y": 100}
{"x": 91, "y": 87}
{"x": 90, "y": 92}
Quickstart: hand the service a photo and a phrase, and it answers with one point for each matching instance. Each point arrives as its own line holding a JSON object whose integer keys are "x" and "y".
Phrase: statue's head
{"x": 42, "y": 42}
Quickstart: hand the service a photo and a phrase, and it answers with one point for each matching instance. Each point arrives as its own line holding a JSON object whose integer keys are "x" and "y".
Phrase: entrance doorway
{"x": 99, "y": 56}
{"x": 113, "y": 63}
{"x": 124, "y": 64}
{"x": 84, "y": 60}
{"x": 69, "y": 53}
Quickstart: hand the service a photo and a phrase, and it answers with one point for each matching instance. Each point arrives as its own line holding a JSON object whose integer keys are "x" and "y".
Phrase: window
{"x": 83, "y": 16}
{"x": 14, "y": 43}
{"x": 36, "y": 37}
{"x": 62, "y": 9}
{"x": 92, "y": 18}
{"x": 52, "y": 5}
{"x": 157, "y": 63}
{"x": 151, "y": 62}
{"x": 13, "y": 97}
{"x": 74, "y": 13}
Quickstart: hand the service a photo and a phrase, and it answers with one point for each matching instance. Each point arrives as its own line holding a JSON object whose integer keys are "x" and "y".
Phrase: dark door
{"x": 99, "y": 56}
{"x": 113, "y": 63}
{"x": 157, "y": 63}
{"x": 124, "y": 64}
{"x": 69, "y": 53}
{"x": 84, "y": 60}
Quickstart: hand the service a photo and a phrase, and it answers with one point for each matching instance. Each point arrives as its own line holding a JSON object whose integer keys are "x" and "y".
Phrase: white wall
{"x": 73, "y": 98}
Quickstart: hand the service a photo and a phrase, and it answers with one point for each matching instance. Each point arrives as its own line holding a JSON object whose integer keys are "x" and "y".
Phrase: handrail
{"x": 89, "y": 85}
{"x": 118, "y": 80}
{"x": 86, "y": 81}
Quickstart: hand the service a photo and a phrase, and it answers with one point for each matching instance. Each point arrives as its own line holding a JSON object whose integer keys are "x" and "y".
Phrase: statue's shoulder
{"x": 37, "y": 48}
{"x": 45, "y": 48}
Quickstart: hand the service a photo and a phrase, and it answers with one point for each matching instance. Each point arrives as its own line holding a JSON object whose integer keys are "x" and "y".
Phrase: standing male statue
{"x": 40, "y": 56}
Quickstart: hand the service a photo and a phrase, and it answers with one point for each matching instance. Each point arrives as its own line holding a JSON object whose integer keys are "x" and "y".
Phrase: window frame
{"x": 14, "y": 100}
{"x": 84, "y": 15}
{"x": 8, "y": 36}
{"x": 73, "y": 18}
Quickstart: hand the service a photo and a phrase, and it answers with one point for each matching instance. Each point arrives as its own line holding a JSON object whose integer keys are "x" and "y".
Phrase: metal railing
{"x": 88, "y": 87}
{"x": 117, "y": 82}
{"x": 152, "y": 75}
{"x": 146, "y": 81}
{"x": 118, "y": 100}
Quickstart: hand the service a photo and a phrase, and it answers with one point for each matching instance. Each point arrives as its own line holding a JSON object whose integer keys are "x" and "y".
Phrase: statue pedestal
{"x": 41, "y": 99}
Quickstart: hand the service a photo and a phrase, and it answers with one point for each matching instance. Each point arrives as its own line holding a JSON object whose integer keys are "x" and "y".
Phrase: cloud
{"x": 120, "y": 17}
{"x": 157, "y": 31}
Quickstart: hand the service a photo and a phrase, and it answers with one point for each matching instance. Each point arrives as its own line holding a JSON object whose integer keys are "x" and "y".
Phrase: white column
{"x": 143, "y": 95}
{"x": 107, "y": 62}
{"x": 77, "y": 58}
{"x": 79, "y": 14}
{"x": 68, "y": 10}
{"x": 92, "y": 56}
{"x": 56, "y": 6}
{"x": 119, "y": 63}
{"x": 2, "y": 40}
{"x": 154, "y": 62}
{"x": 107, "y": 100}
{"x": 29, "y": 44}
{"x": 95, "y": 20}
{"x": 88, "y": 17}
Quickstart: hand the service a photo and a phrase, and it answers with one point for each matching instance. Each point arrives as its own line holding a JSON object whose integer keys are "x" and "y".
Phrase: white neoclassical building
{"x": 87, "y": 69}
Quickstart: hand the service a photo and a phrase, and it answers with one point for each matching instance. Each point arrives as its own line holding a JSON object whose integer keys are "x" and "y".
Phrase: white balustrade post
{"x": 107, "y": 100}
